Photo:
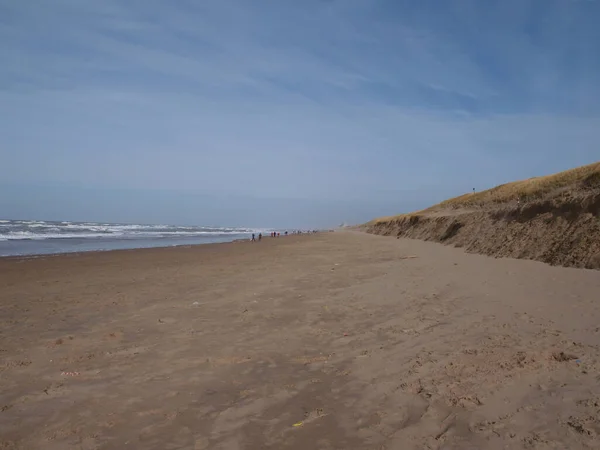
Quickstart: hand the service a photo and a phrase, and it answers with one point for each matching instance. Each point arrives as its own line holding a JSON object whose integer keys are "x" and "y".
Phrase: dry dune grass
{"x": 530, "y": 188}
{"x": 533, "y": 188}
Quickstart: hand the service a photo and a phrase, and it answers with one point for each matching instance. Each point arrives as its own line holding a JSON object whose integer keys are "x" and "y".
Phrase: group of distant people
{"x": 275, "y": 234}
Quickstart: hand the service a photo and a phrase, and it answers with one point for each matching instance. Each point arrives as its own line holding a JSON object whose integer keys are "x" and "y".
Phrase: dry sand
{"x": 361, "y": 341}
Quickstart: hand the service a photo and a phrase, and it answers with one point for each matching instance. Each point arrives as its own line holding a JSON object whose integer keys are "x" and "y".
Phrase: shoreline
{"x": 23, "y": 238}
{"x": 86, "y": 252}
{"x": 158, "y": 247}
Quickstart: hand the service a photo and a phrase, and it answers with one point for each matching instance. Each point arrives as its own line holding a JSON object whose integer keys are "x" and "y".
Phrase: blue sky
{"x": 284, "y": 113}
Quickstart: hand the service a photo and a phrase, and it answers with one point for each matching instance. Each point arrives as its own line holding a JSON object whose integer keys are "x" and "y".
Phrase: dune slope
{"x": 554, "y": 219}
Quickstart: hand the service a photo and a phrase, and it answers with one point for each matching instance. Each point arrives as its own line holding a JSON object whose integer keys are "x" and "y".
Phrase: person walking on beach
{"x": 259, "y": 237}
{"x": 253, "y": 238}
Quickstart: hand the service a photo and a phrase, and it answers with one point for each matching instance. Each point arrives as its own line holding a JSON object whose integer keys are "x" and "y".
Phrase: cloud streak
{"x": 329, "y": 100}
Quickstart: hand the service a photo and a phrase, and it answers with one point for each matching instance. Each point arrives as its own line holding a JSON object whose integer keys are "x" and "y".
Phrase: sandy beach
{"x": 334, "y": 341}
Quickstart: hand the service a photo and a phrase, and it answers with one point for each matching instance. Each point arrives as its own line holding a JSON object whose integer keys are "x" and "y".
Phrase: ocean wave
{"x": 41, "y": 230}
{"x": 29, "y": 235}
{"x": 39, "y": 225}
{"x": 32, "y": 222}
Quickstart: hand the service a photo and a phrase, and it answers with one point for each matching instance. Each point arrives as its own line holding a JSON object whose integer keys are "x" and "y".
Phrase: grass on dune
{"x": 532, "y": 188}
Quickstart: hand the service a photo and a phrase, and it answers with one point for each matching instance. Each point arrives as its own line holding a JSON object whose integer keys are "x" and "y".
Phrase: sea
{"x": 40, "y": 237}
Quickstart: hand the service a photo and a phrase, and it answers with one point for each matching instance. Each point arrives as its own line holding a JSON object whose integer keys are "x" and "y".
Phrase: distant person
{"x": 259, "y": 237}
{"x": 286, "y": 233}
{"x": 253, "y": 238}
{"x": 278, "y": 234}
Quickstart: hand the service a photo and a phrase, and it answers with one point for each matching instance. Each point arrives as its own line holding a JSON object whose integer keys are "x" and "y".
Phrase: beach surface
{"x": 331, "y": 341}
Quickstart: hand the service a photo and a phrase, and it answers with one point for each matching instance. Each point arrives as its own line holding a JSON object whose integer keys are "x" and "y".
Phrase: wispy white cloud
{"x": 316, "y": 99}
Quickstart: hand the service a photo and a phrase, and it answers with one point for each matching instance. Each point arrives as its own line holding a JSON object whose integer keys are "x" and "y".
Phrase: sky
{"x": 287, "y": 113}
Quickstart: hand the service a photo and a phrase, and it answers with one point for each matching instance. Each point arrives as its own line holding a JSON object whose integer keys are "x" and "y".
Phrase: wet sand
{"x": 333, "y": 341}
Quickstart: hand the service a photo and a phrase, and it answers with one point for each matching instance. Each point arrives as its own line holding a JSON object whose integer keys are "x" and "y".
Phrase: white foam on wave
{"x": 40, "y": 225}
{"x": 28, "y": 235}
{"x": 41, "y": 230}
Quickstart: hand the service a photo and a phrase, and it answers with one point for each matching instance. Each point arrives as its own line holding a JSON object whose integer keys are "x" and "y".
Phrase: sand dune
{"x": 554, "y": 219}
{"x": 334, "y": 341}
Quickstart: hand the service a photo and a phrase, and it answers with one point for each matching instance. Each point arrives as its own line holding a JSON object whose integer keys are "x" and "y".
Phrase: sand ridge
{"x": 554, "y": 219}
